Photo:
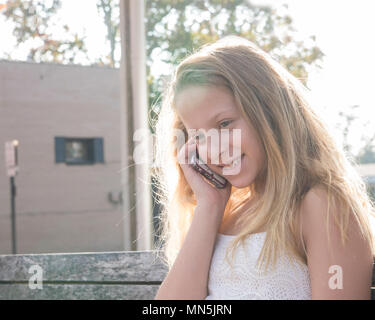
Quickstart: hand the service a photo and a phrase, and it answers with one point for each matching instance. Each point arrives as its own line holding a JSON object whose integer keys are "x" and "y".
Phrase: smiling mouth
{"x": 234, "y": 163}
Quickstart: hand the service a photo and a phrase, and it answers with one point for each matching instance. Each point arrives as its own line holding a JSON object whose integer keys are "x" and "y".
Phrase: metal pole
{"x": 134, "y": 110}
{"x": 13, "y": 213}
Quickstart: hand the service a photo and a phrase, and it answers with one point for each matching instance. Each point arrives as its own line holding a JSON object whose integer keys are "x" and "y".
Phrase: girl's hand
{"x": 204, "y": 192}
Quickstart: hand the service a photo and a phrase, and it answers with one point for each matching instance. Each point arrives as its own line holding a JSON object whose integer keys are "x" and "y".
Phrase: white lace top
{"x": 289, "y": 281}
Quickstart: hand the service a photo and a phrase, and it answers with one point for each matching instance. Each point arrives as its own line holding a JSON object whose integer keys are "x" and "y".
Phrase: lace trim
{"x": 289, "y": 280}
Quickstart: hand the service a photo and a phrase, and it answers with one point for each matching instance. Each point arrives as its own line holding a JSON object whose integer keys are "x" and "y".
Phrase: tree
{"x": 366, "y": 153}
{"x": 262, "y": 24}
{"x": 348, "y": 119}
{"x": 174, "y": 28}
{"x": 109, "y": 10}
{"x": 197, "y": 22}
{"x": 33, "y": 23}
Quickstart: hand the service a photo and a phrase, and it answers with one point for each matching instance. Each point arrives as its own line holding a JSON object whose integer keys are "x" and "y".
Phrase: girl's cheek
{"x": 235, "y": 138}
{"x": 230, "y": 144}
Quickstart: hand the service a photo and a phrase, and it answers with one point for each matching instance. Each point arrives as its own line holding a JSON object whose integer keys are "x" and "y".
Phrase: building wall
{"x": 59, "y": 207}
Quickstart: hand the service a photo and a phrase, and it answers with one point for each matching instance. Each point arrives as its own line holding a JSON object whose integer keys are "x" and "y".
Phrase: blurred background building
{"x": 66, "y": 119}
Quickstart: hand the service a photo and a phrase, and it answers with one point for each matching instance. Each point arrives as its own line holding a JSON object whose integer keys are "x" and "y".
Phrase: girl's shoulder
{"x": 326, "y": 252}
{"x": 313, "y": 211}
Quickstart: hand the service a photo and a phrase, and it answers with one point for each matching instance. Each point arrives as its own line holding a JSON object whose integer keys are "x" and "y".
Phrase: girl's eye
{"x": 226, "y": 121}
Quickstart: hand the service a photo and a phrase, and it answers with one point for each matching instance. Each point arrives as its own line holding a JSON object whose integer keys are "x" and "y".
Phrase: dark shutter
{"x": 59, "y": 149}
{"x": 98, "y": 150}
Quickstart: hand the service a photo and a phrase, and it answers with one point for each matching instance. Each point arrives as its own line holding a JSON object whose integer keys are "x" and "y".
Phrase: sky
{"x": 343, "y": 30}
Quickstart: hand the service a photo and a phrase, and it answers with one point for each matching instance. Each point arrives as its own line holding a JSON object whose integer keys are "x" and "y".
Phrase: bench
{"x": 128, "y": 275}
{"x": 124, "y": 275}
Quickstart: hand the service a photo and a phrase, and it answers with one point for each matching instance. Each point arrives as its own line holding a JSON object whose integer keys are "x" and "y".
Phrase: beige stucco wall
{"x": 60, "y": 208}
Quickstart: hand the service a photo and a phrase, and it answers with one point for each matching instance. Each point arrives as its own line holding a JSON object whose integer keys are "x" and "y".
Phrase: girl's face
{"x": 206, "y": 108}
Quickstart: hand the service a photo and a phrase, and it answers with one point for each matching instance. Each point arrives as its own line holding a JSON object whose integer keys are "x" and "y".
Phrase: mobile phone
{"x": 199, "y": 166}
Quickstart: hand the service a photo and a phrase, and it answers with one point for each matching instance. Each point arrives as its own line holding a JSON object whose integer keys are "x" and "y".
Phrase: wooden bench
{"x": 109, "y": 275}
{"x": 128, "y": 275}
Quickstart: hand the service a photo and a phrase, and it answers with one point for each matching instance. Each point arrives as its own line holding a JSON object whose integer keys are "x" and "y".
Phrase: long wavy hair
{"x": 300, "y": 153}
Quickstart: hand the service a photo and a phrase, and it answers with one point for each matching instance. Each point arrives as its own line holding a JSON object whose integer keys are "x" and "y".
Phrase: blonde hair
{"x": 300, "y": 153}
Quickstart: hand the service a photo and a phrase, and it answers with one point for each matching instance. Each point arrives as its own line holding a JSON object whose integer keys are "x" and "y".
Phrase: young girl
{"x": 296, "y": 204}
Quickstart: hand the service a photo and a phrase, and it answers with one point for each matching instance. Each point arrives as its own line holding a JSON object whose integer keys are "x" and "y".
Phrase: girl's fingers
{"x": 186, "y": 152}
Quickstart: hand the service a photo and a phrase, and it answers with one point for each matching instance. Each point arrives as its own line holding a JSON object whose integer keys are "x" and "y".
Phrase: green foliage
{"x": 174, "y": 29}
{"x": 366, "y": 155}
{"x": 178, "y": 27}
{"x": 367, "y": 152}
{"x": 110, "y": 13}
{"x": 32, "y": 21}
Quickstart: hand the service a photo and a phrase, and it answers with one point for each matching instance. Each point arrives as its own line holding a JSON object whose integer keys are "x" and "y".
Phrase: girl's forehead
{"x": 203, "y": 94}
{"x": 203, "y": 104}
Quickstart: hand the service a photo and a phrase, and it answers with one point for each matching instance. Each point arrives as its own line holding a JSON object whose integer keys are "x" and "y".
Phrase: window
{"x": 79, "y": 150}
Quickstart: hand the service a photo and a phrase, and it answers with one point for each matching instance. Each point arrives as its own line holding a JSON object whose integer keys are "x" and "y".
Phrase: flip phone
{"x": 199, "y": 166}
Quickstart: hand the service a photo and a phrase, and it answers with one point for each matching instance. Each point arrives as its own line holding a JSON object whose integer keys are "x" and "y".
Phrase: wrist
{"x": 216, "y": 202}
{"x": 209, "y": 211}
{"x": 210, "y": 206}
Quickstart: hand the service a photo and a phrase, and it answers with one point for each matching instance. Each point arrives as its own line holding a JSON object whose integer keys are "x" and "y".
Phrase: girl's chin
{"x": 238, "y": 176}
{"x": 239, "y": 184}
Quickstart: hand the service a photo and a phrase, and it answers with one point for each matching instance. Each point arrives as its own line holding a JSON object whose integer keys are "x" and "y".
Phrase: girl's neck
{"x": 229, "y": 225}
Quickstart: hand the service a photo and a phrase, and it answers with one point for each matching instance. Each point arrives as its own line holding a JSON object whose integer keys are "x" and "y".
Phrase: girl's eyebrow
{"x": 219, "y": 114}
{"x": 214, "y": 118}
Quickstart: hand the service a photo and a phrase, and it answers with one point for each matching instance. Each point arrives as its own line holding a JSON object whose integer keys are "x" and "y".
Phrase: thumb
{"x": 186, "y": 152}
